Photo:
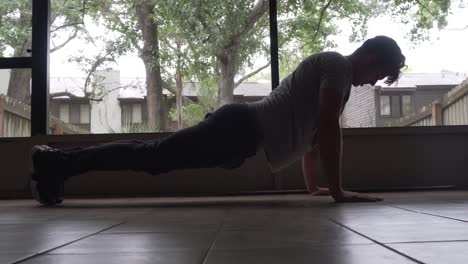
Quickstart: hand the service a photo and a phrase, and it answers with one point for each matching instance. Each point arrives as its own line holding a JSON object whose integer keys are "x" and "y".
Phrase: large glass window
{"x": 15, "y": 113}
{"x": 15, "y": 28}
{"x": 172, "y": 69}
{"x": 438, "y": 28}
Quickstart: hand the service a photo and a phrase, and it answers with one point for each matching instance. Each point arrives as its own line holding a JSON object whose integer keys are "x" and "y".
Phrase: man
{"x": 300, "y": 118}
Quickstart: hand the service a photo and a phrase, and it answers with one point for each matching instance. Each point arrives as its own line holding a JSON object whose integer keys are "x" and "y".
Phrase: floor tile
{"x": 16, "y": 243}
{"x": 248, "y": 239}
{"x": 379, "y": 219}
{"x": 57, "y": 227}
{"x": 417, "y": 232}
{"x": 164, "y": 257}
{"x": 436, "y": 252}
{"x": 350, "y": 254}
{"x": 138, "y": 242}
{"x": 148, "y": 226}
{"x": 10, "y": 258}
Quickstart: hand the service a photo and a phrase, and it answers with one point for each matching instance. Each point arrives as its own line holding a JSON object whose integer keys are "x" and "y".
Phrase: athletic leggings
{"x": 225, "y": 138}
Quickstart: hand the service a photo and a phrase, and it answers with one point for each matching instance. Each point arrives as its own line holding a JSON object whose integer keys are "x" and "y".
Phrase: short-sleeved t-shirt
{"x": 289, "y": 115}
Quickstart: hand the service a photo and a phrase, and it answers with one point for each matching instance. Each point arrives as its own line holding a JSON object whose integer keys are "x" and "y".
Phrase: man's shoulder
{"x": 326, "y": 58}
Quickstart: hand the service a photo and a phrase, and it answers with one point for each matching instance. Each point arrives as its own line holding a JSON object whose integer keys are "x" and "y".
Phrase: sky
{"x": 446, "y": 50}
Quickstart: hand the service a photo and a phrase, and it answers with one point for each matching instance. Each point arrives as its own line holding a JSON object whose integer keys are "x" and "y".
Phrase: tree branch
{"x": 425, "y": 7}
{"x": 251, "y": 74}
{"x": 258, "y": 11}
{"x": 70, "y": 38}
{"x": 319, "y": 24}
{"x": 65, "y": 26}
{"x": 322, "y": 14}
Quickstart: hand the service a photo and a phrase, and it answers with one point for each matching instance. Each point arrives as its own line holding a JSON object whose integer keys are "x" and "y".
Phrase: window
{"x": 15, "y": 64}
{"x": 131, "y": 114}
{"x": 15, "y": 112}
{"x": 65, "y": 113}
{"x": 74, "y": 113}
{"x": 385, "y": 105}
{"x": 395, "y": 107}
{"x": 407, "y": 104}
{"x": 136, "y": 113}
{"x": 101, "y": 60}
{"x": 85, "y": 113}
{"x": 16, "y": 33}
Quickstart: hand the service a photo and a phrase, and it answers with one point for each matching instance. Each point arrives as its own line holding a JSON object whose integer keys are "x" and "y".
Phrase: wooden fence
{"x": 451, "y": 110}
{"x": 15, "y": 120}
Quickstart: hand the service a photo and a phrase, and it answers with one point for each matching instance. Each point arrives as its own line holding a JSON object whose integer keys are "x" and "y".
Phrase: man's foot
{"x": 319, "y": 191}
{"x": 46, "y": 183}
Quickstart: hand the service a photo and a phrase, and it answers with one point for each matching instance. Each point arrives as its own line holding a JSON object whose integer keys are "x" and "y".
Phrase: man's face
{"x": 369, "y": 72}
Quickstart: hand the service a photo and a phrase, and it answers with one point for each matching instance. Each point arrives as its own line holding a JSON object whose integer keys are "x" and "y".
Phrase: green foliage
{"x": 135, "y": 128}
{"x": 193, "y": 113}
{"x": 66, "y": 21}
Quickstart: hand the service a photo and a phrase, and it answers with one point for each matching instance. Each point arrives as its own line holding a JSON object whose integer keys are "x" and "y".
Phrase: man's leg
{"x": 229, "y": 133}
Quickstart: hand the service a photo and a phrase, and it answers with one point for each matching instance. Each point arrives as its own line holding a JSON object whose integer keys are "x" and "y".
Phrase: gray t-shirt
{"x": 289, "y": 115}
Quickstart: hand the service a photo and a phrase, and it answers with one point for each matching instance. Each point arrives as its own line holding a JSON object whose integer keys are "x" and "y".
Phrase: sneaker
{"x": 46, "y": 183}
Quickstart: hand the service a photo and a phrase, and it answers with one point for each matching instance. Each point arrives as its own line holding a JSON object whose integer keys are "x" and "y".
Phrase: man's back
{"x": 289, "y": 115}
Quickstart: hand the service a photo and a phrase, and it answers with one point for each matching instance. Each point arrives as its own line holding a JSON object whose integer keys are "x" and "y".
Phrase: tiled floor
{"x": 416, "y": 227}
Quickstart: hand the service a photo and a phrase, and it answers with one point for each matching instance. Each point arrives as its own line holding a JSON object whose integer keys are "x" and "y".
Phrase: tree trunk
{"x": 180, "y": 123}
{"x": 19, "y": 85}
{"x": 179, "y": 87}
{"x": 228, "y": 57}
{"x": 150, "y": 56}
{"x": 227, "y": 70}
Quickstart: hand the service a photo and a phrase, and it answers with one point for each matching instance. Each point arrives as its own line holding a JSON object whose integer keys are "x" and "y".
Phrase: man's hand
{"x": 352, "y": 197}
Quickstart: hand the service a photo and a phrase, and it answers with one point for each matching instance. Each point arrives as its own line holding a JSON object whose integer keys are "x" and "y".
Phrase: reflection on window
{"x": 385, "y": 105}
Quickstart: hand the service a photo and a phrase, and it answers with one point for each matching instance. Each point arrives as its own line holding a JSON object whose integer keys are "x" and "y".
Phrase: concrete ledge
{"x": 374, "y": 158}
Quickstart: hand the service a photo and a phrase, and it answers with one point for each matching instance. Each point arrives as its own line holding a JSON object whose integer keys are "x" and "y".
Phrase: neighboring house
{"x": 379, "y": 105}
{"x": 125, "y": 101}
{"x": 133, "y": 104}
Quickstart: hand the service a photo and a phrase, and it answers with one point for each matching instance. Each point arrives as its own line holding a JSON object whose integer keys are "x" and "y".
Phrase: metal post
{"x": 274, "y": 44}
{"x": 40, "y": 67}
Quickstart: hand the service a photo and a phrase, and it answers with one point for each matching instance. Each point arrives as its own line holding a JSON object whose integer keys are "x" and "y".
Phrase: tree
{"x": 66, "y": 22}
{"x": 191, "y": 40}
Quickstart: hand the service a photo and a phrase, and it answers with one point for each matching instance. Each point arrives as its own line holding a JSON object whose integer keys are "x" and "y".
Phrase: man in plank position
{"x": 300, "y": 118}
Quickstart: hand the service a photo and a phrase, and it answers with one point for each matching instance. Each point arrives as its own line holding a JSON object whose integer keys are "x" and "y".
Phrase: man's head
{"x": 377, "y": 58}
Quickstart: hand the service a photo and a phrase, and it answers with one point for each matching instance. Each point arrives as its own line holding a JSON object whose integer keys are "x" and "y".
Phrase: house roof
{"x": 413, "y": 80}
{"x": 67, "y": 84}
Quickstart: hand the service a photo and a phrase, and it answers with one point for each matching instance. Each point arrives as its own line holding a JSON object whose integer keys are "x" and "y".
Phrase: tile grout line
{"x": 375, "y": 241}
{"x": 428, "y": 242}
{"x": 63, "y": 245}
{"x": 436, "y": 215}
{"x": 205, "y": 255}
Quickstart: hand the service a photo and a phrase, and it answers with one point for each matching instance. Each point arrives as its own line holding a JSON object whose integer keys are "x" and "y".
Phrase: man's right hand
{"x": 353, "y": 197}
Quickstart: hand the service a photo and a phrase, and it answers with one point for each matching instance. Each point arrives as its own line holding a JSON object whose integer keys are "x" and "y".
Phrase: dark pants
{"x": 224, "y": 139}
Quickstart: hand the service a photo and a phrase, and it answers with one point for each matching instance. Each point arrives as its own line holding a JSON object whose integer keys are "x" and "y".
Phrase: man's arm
{"x": 330, "y": 141}
{"x": 310, "y": 171}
